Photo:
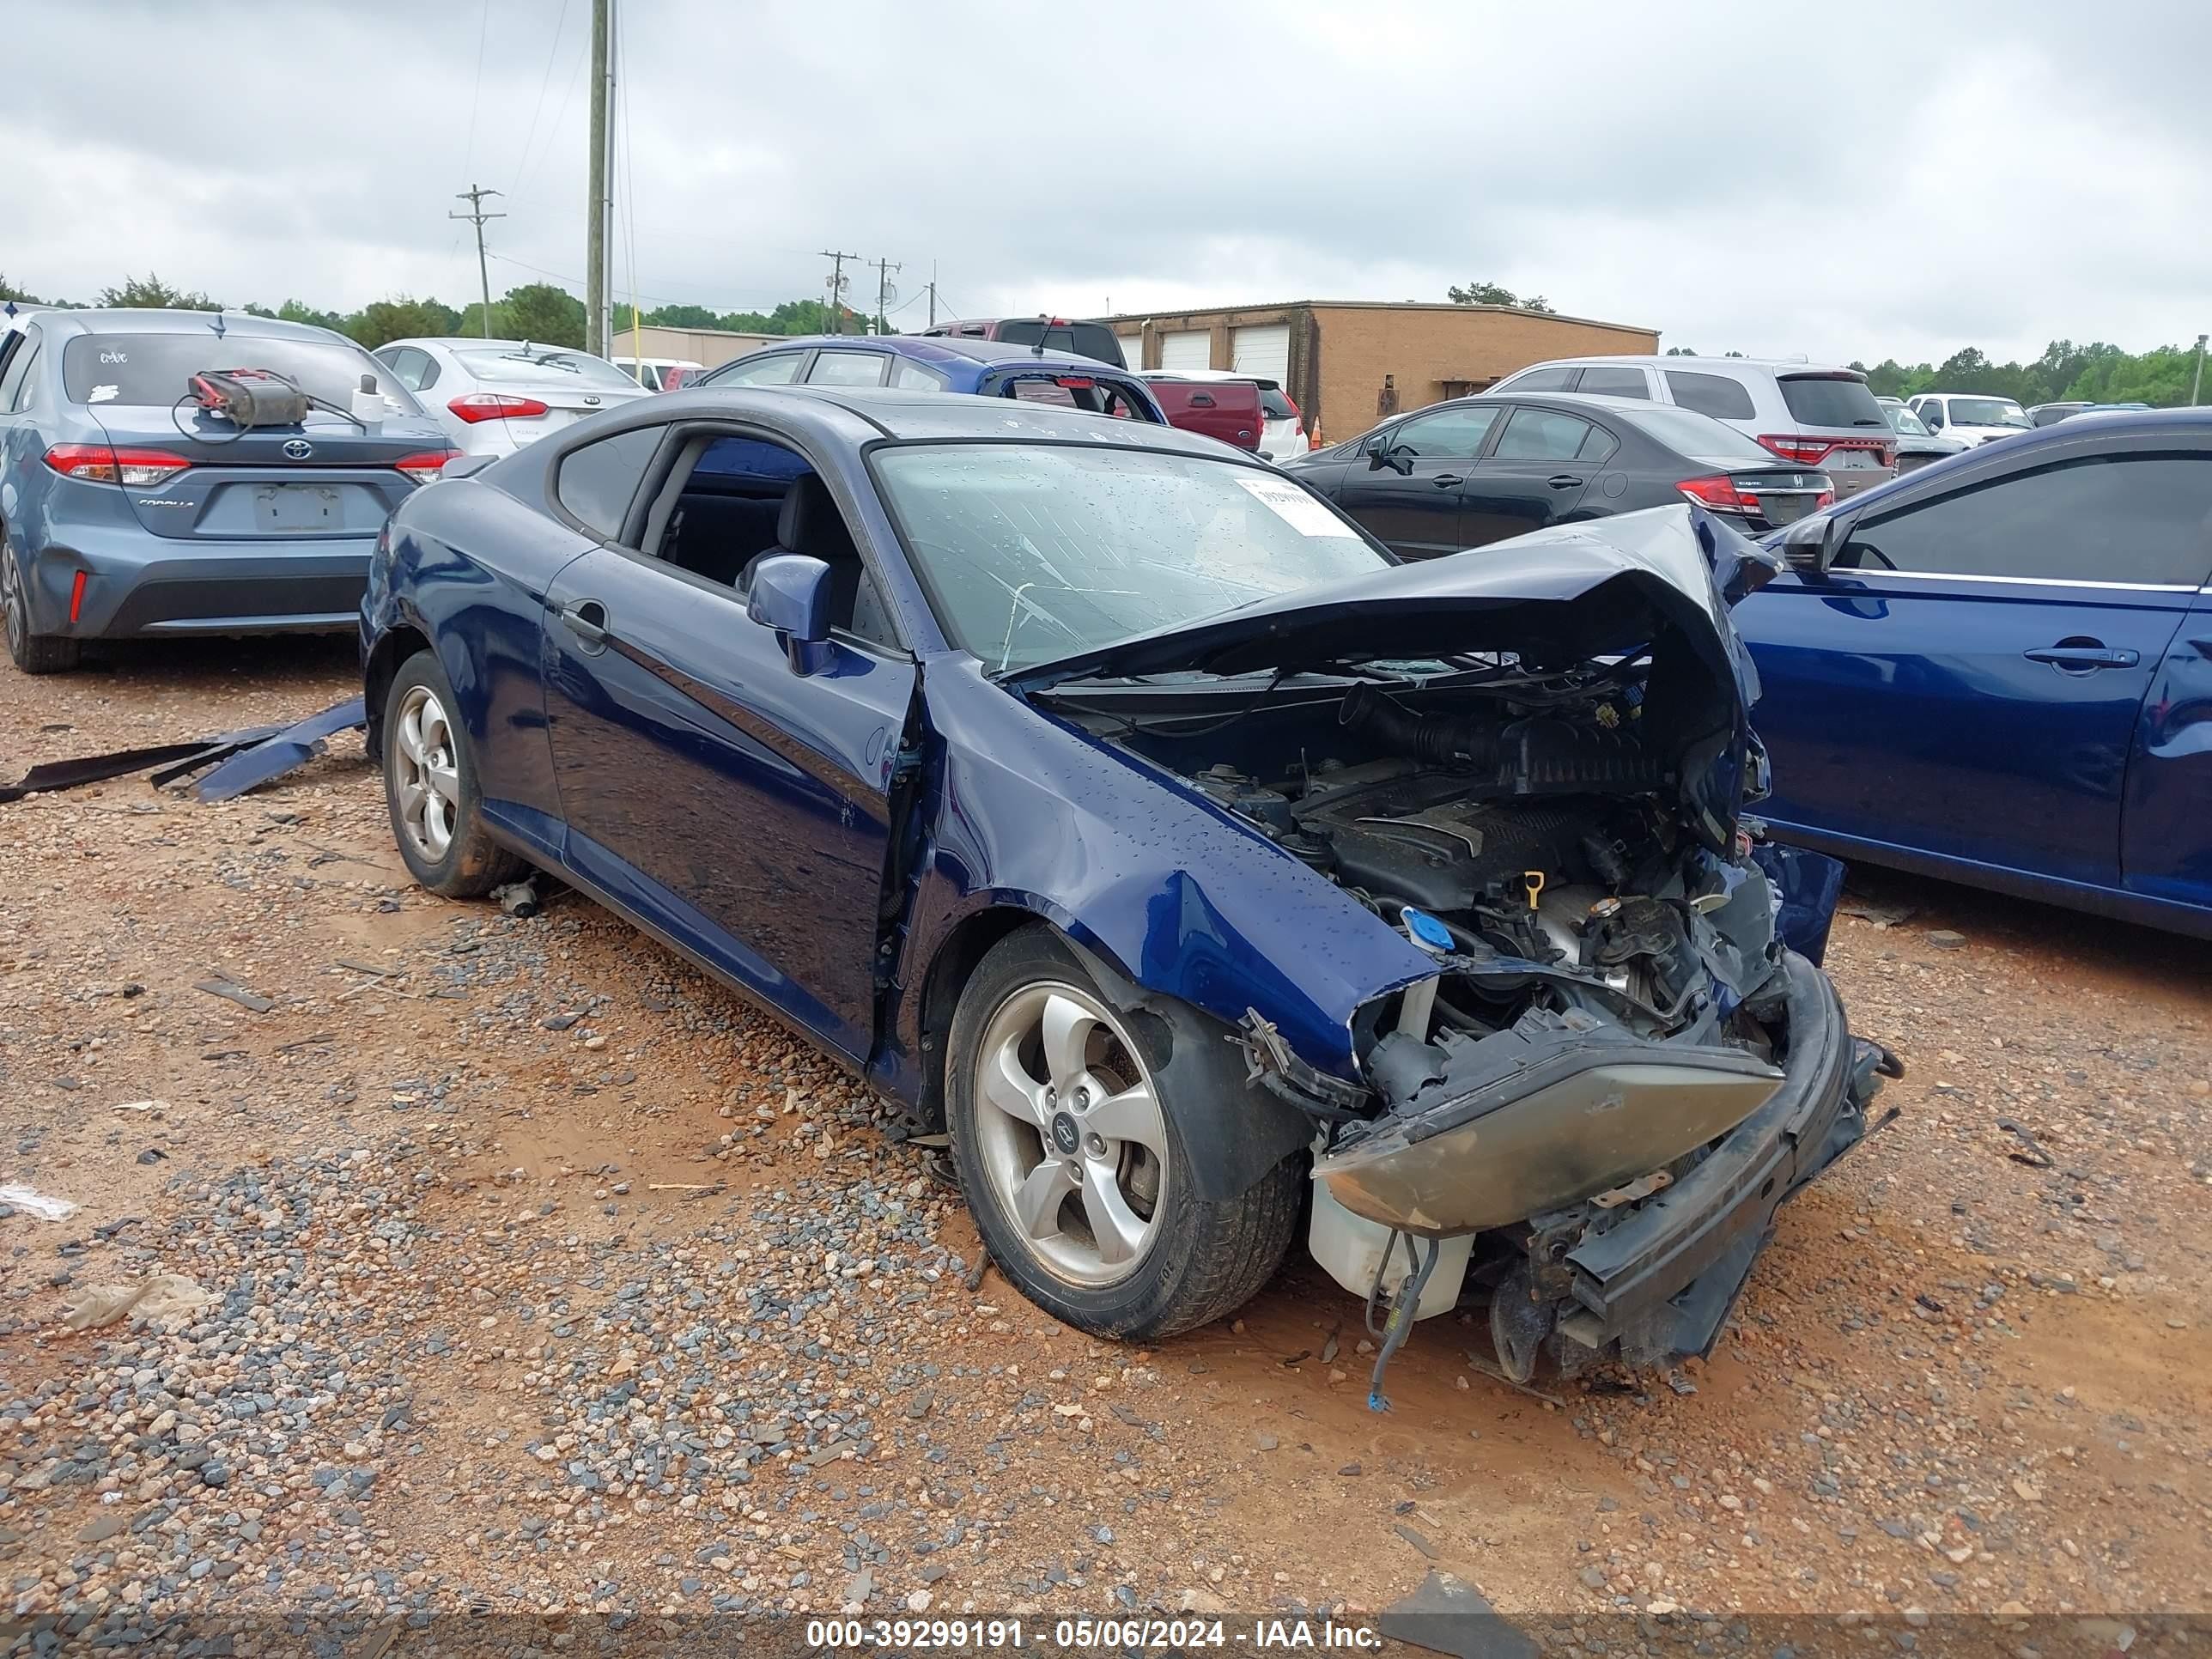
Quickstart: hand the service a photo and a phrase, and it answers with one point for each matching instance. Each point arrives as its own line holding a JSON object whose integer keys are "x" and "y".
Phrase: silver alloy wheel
{"x": 11, "y": 604}
{"x": 426, "y": 778}
{"x": 1071, "y": 1135}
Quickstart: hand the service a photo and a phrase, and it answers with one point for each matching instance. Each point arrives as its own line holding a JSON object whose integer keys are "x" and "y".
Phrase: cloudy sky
{"x": 1841, "y": 183}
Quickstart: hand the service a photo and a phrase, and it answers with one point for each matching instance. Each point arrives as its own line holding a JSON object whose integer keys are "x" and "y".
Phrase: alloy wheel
{"x": 425, "y": 773}
{"x": 13, "y": 611}
{"x": 1073, "y": 1141}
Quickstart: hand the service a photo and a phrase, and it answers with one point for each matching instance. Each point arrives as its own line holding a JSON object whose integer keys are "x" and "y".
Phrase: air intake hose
{"x": 1440, "y": 739}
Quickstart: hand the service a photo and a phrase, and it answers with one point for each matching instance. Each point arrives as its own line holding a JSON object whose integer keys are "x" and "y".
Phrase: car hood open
{"x": 1554, "y": 598}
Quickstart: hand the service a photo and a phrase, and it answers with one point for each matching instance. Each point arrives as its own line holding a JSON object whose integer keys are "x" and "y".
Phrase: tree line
{"x": 549, "y": 314}
{"x": 544, "y": 313}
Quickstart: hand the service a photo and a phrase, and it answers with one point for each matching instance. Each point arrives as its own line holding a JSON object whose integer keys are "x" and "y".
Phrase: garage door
{"x": 1186, "y": 349}
{"x": 1132, "y": 349}
{"x": 1263, "y": 352}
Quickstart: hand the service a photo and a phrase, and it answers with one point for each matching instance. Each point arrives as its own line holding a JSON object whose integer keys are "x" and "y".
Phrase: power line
{"x": 528, "y": 169}
{"x": 476, "y": 97}
{"x": 544, "y": 83}
{"x": 474, "y": 196}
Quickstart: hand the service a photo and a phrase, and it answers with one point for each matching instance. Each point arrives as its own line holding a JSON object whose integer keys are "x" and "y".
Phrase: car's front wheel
{"x": 1073, "y": 1158}
{"x": 34, "y": 653}
{"x": 430, "y": 784}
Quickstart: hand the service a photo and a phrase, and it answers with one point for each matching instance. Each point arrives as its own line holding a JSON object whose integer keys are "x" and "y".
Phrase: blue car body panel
{"x": 752, "y": 816}
{"x": 205, "y": 551}
{"x": 2047, "y": 737}
{"x": 983, "y": 368}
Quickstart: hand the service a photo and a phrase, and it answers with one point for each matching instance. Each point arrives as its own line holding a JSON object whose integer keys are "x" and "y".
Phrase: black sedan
{"x": 1477, "y": 470}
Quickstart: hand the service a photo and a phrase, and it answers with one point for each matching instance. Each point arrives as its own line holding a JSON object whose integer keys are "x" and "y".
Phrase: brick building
{"x": 1332, "y": 355}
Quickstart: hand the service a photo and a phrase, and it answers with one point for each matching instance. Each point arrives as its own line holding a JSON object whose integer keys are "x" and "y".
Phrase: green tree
{"x": 298, "y": 311}
{"x": 1490, "y": 294}
{"x": 9, "y": 291}
{"x": 151, "y": 292}
{"x": 545, "y": 314}
{"x": 682, "y": 317}
{"x": 403, "y": 318}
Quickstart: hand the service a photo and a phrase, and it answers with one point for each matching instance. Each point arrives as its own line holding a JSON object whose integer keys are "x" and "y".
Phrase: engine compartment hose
{"x": 1440, "y": 739}
{"x": 1404, "y": 1306}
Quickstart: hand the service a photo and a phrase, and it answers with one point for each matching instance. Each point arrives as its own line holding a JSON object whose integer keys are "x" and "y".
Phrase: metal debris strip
{"x": 1446, "y": 1614}
{"x": 281, "y": 751}
{"x": 176, "y": 759}
{"x": 237, "y": 994}
{"x": 2031, "y": 1153}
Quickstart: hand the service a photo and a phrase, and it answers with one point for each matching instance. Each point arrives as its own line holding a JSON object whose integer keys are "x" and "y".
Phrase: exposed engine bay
{"x": 1612, "y": 1001}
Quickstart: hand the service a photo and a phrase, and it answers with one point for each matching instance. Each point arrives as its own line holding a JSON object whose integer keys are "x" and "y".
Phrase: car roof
{"x": 1703, "y": 365}
{"x": 1214, "y": 374}
{"x": 128, "y": 320}
{"x": 929, "y": 349}
{"x": 877, "y": 412}
{"x": 1995, "y": 397}
{"x": 478, "y": 342}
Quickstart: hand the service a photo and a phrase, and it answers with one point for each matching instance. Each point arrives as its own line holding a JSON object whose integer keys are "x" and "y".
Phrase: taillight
{"x": 1827, "y": 498}
{"x": 476, "y": 406}
{"x": 99, "y": 463}
{"x": 1809, "y": 451}
{"x": 1718, "y": 492}
{"x": 427, "y": 465}
{"x": 1073, "y": 382}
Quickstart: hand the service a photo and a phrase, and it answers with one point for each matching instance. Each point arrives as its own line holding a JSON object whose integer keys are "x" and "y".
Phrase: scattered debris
{"x": 176, "y": 759}
{"x": 1415, "y": 1539}
{"x": 38, "y": 1203}
{"x": 517, "y": 898}
{"x": 164, "y": 1297}
{"x": 280, "y": 751}
{"x": 2031, "y": 1153}
{"x": 156, "y": 1107}
{"x": 975, "y": 1275}
{"x": 237, "y": 994}
{"x": 1881, "y": 916}
{"x": 1446, "y": 1614}
{"x": 1944, "y": 939}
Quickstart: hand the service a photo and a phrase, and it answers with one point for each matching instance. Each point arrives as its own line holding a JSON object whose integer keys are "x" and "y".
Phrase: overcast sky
{"x": 1845, "y": 183}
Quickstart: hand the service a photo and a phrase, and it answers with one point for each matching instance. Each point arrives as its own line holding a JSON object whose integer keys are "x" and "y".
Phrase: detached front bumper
{"x": 1528, "y": 1158}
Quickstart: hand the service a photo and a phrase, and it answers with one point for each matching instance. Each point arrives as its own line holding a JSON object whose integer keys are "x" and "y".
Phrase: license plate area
{"x": 297, "y": 508}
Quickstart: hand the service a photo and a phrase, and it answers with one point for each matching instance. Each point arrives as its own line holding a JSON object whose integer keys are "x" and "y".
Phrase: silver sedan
{"x": 494, "y": 397}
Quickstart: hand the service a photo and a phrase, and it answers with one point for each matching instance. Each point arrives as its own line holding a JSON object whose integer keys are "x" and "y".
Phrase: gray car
{"x": 128, "y": 509}
{"x": 1813, "y": 415}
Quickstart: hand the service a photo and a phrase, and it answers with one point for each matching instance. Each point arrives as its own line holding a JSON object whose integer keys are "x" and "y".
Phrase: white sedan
{"x": 493, "y": 396}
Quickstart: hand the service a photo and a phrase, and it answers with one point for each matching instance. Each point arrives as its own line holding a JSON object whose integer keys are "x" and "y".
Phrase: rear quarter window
{"x": 597, "y": 482}
{"x": 1816, "y": 400}
{"x": 1715, "y": 395}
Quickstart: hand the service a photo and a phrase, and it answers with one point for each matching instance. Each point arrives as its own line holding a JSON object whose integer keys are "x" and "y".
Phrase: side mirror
{"x": 1375, "y": 449}
{"x": 1808, "y": 546}
{"x": 1932, "y": 417}
{"x": 790, "y": 593}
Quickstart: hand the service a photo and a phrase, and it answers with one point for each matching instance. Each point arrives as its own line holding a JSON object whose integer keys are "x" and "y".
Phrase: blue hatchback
{"x": 985, "y": 368}
{"x": 126, "y": 509}
{"x": 1999, "y": 670}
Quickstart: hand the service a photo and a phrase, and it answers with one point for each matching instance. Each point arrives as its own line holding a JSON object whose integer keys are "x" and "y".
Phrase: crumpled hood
{"x": 1554, "y": 598}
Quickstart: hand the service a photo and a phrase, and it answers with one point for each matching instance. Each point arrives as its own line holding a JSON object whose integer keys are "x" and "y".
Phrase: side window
{"x": 1541, "y": 434}
{"x": 2107, "y": 519}
{"x": 1452, "y": 434}
{"x": 1710, "y": 394}
{"x": 598, "y": 482}
{"x": 773, "y": 368}
{"x": 1615, "y": 383}
{"x": 406, "y": 365}
{"x": 917, "y": 376}
{"x": 847, "y": 368}
{"x": 429, "y": 374}
{"x": 18, "y": 369}
{"x": 1544, "y": 379}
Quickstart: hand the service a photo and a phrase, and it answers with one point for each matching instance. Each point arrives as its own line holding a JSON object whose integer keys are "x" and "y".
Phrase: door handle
{"x": 2082, "y": 658}
{"x": 1446, "y": 480}
{"x": 1563, "y": 481}
{"x": 587, "y": 620}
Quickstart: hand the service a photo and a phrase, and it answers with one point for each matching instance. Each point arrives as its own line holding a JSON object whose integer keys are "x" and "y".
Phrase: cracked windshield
{"x": 1040, "y": 552}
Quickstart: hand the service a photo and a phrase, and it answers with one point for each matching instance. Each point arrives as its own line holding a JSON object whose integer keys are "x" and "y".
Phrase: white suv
{"x": 1816, "y": 416}
{"x": 1971, "y": 417}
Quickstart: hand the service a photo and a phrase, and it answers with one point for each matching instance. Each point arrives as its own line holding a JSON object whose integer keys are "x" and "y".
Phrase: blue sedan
{"x": 982, "y": 368}
{"x": 1999, "y": 670}
{"x": 1103, "y": 795}
{"x": 127, "y": 510}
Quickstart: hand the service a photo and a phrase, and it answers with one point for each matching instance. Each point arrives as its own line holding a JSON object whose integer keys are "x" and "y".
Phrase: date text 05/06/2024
{"x": 1079, "y": 1635}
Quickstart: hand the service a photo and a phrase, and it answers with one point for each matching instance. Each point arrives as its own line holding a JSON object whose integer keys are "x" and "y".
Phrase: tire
{"x": 1059, "y": 1143}
{"x": 34, "y": 653}
{"x": 430, "y": 788}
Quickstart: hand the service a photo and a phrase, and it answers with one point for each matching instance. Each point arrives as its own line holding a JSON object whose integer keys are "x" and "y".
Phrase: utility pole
{"x": 595, "y": 236}
{"x": 932, "y": 293}
{"x": 884, "y": 269}
{"x": 2197, "y": 385}
{"x": 474, "y": 196}
{"x": 836, "y": 287}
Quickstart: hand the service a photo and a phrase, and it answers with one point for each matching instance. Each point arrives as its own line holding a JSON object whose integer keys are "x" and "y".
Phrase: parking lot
{"x": 549, "y": 1277}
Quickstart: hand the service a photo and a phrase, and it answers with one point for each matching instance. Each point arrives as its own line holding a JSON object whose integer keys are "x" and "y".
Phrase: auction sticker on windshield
{"x": 1296, "y": 509}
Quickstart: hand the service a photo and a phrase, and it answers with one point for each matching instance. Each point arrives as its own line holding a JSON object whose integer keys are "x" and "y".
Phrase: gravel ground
{"x": 542, "y": 1276}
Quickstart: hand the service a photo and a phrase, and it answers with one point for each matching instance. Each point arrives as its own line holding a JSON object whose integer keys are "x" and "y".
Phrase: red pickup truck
{"x": 1223, "y": 409}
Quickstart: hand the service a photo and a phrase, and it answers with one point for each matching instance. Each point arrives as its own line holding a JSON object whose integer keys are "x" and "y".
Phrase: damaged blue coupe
{"x": 1116, "y": 804}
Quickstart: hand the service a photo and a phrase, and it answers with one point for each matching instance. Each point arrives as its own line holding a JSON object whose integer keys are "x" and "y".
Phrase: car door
{"x": 736, "y": 806}
{"x": 21, "y": 444}
{"x": 1535, "y": 473}
{"x": 1406, "y": 489}
{"x": 1967, "y": 684}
